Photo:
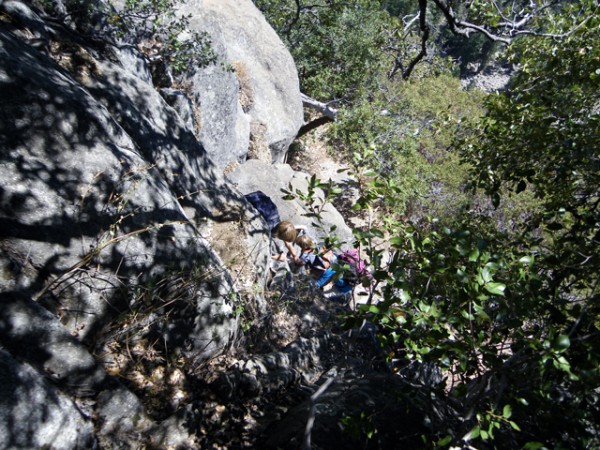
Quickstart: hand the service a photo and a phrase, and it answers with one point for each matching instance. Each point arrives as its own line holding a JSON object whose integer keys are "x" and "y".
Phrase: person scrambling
{"x": 321, "y": 265}
{"x": 288, "y": 233}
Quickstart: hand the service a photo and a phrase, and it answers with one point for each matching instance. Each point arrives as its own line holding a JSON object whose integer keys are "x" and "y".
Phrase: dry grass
{"x": 259, "y": 149}
{"x": 246, "y": 90}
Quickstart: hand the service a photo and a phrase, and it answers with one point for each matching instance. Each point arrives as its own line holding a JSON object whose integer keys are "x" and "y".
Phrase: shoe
{"x": 337, "y": 296}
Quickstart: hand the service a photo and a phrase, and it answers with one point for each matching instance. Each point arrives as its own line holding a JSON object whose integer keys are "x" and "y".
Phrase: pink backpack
{"x": 358, "y": 267}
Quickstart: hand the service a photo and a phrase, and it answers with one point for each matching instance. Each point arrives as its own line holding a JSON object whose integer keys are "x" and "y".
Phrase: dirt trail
{"x": 311, "y": 156}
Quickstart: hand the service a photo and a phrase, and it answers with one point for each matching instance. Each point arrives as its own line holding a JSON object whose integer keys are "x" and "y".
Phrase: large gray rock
{"x": 256, "y": 91}
{"x": 103, "y": 192}
{"x": 108, "y": 206}
{"x": 255, "y": 175}
{"x": 34, "y": 335}
{"x": 35, "y": 414}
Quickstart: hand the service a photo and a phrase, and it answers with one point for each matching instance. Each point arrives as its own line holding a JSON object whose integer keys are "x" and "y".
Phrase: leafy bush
{"x": 512, "y": 318}
{"x": 152, "y": 25}
{"x": 337, "y": 46}
{"x": 505, "y": 303}
{"x": 403, "y": 132}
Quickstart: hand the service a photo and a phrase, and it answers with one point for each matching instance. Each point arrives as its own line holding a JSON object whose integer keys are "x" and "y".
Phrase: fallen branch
{"x": 313, "y": 411}
{"x": 323, "y": 108}
{"x": 329, "y": 114}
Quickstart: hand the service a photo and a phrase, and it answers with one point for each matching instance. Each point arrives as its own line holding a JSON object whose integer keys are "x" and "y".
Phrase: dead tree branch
{"x": 329, "y": 114}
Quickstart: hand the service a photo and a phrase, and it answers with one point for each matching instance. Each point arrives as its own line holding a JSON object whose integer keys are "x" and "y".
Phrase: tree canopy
{"x": 509, "y": 314}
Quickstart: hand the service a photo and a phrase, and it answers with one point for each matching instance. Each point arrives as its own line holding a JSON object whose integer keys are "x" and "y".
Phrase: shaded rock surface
{"x": 87, "y": 204}
{"x": 133, "y": 303}
{"x": 110, "y": 209}
{"x": 35, "y": 414}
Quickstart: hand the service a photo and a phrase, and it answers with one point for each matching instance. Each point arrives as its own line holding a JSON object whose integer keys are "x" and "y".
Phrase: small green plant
{"x": 359, "y": 427}
{"x": 171, "y": 42}
{"x": 318, "y": 194}
{"x": 490, "y": 421}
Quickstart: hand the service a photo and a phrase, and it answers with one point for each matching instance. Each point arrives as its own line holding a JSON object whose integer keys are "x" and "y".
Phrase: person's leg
{"x": 325, "y": 277}
{"x": 343, "y": 286}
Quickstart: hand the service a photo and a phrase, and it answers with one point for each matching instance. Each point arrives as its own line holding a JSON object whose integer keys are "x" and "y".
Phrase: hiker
{"x": 321, "y": 265}
{"x": 356, "y": 268}
{"x": 307, "y": 251}
{"x": 284, "y": 230}
{"x": 288, "y": 233}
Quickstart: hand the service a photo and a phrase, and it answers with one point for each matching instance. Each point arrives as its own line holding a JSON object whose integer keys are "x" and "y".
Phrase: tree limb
{"x": 308, "y": 127}
{"x": 461, "y": 28}
{"x": 329, "y": 114}
{"x": 424, "y": 37}
{"x": 323, "y": 108}
{"x": 306, "y": 445}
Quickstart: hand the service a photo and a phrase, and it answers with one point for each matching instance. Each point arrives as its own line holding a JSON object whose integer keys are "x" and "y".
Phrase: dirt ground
{"x": 313, "y": 156}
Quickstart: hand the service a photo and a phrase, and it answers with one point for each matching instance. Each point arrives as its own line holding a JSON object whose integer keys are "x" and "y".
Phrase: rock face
{"x": 100, "y": 179}
{"x": 128, "y": 261}
{"x": 108, "y": 204}
{"x": 35, "y": 414}
{"x": 256, "y": 96}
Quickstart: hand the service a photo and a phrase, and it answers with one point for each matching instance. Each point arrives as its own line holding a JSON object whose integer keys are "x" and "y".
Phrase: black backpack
{"x": 265, "y": 206}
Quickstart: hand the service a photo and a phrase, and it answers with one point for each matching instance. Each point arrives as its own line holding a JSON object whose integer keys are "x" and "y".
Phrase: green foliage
{"x": 372, "y": 138}
{"x": 510, "y": 318}
{"x": 176, "y": 46}
{"x": 543, "y": 135}
{"x": 489, "y": 422}
{"x": 546, "y": 126}
{"x": 403, "y": 132}
{"x": 479, "y": 308}
{"x": 399, "y": 8}
{"x": 318, "y": 194}
{"x": 337, "y": 46}
{"x": 359, "y": 427}
{"x": 473, "y": 54}
{"x": 434, "y": 108}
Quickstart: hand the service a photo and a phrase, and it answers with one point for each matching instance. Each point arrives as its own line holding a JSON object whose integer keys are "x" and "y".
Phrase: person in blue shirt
{"x": 321, "y": 266}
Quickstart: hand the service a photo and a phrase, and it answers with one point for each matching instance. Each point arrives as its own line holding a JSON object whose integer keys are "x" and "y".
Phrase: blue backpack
{"x": 265, "y": 206}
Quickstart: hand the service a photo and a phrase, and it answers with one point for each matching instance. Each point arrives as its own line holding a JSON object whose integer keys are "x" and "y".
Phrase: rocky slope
{"x": 134, "y": 302}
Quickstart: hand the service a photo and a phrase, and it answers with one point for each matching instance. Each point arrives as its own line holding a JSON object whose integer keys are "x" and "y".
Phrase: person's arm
{"x": 290, "y": 247}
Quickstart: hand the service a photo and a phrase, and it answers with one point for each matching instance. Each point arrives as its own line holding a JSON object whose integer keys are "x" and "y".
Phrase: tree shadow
{"x": 95, "y": 170}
